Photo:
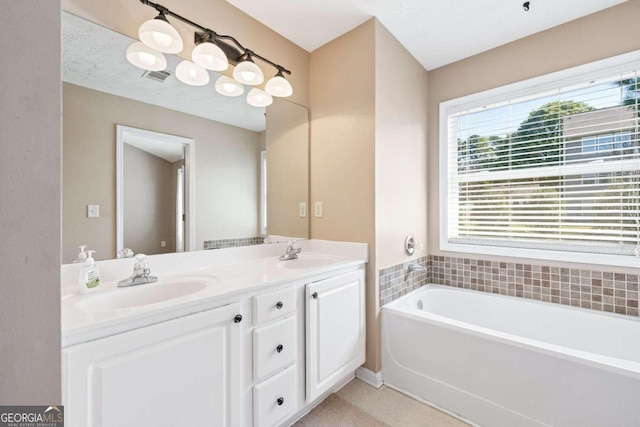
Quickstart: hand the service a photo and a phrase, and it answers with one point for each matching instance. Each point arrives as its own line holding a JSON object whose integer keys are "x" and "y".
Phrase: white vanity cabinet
{"x": 275, "y": 352}
{"x": 182, "y": 372}
{"x": 260, "y": 361}
{"x": 335, "y": 330}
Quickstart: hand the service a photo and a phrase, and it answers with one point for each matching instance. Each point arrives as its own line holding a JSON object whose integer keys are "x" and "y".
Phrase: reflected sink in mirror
{"x": 309, "y": 261}
{"x": 142, "y": 295}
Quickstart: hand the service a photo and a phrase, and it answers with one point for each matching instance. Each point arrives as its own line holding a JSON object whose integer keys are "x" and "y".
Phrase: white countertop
{"x": 217, "y": 276}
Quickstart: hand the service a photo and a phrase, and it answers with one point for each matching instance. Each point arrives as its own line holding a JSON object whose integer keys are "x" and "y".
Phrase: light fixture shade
{"x": 158, "y": 34}
{"x": 248, "y": 73}
{"x": 259, "y": 98}
{"x": 278, "y": 86}
{"x": 210, "y": 56}
{"x": 228, "y": 87}
{"x": 142, "y": 56}
{"x": 192, "y": 74}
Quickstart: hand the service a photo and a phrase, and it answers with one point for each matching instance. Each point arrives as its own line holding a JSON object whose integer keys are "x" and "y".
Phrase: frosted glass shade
{"x": 192, "y": 74}
{"x": 248, "y": 73}
{"x": 142, "y": 56}
{"x": 259, "y": 98}
{"x": 210, "y": 56}
{"x": 158, "y": 34}
{"x": 278, "y": 86}
{"x": 229, "y": 87}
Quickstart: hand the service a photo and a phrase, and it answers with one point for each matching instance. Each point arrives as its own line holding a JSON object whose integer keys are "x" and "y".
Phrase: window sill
{"x": 545, "y": 255}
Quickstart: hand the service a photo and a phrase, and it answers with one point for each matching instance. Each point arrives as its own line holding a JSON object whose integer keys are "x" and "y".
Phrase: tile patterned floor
{"x": 360, "y": 405}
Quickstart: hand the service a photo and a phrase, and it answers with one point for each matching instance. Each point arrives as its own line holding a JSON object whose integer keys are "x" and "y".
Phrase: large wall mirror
{"x": 233, "y": 174}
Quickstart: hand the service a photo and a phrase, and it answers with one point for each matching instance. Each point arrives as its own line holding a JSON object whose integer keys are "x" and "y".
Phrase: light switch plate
{"x": 318, "y": 210}
{"x": 93, "y": 211}
{"x": 303, "y": 210}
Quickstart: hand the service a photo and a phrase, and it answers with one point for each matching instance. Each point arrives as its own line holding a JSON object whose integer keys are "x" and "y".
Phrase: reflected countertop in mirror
{"x": 249, "y": 171}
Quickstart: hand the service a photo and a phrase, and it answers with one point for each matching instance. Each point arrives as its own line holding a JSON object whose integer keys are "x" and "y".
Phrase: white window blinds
{"x": 556, "y": 170}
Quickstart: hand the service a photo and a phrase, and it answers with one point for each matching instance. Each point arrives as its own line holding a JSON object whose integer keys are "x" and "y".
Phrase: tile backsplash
{"x": 395, "y": 281}
{"x": 233, "y": 243}
{"x": 593, "y": 289}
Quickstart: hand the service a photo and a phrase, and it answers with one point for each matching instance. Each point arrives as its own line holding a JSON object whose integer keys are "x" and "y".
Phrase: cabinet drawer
{"x": 274, "y": 347}
{"x": 274, "y": 305}
{"x": 275, "y": 399}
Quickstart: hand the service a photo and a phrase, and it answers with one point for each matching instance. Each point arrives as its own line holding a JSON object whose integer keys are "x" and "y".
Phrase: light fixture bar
{"x": 217, "y": 38}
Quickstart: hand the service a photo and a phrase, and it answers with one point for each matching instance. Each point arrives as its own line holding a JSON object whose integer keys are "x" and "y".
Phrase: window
{"x": 548, "y": 168}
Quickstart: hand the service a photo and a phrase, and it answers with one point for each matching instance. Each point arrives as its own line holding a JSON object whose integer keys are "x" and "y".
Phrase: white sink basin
{"x": 141, "y": 295}
{"x": 309, "y": 261}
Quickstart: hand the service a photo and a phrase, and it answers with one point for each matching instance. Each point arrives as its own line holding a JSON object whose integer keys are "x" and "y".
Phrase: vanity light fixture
{"x": 192, "y": 74}
{"x": 142, "y": 56}
{"x": 247, "y": 71}
{"x": 210, "y": 56}
{"x": 228, "y": 87}
{"x": 212, "y": 52}
{"x": 158, "y": 34}
{"x": 278, "y": 86}
{"x": 259, "y": 98}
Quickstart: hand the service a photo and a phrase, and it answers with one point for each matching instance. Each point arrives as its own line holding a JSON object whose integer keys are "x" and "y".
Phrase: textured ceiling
{"x": 94, "y": 57}
{"x": 436, "y": 32}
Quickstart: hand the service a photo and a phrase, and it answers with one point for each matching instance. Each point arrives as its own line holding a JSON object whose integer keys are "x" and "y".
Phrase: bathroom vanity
{"x": 229, "y": 337}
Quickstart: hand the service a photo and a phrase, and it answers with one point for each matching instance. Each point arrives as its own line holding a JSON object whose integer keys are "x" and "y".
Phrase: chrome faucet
{"x": 291, "y": 252}
{"x": 416, "y": 267}
{"x": 141, "y": 273}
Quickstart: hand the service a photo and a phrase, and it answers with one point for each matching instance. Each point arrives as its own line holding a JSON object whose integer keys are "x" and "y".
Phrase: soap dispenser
{"x": 82, "y": 256}
{"x": 89, "y": 277}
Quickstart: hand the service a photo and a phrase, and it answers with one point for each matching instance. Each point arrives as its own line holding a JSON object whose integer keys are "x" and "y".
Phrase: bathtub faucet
{"x": 416, "y": 267}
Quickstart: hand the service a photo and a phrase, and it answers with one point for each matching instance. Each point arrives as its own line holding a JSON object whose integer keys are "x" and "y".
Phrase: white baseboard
{"x": 372, "y": 378}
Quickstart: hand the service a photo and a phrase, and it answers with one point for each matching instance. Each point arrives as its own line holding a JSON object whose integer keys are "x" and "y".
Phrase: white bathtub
{"x": 506, "y": 361}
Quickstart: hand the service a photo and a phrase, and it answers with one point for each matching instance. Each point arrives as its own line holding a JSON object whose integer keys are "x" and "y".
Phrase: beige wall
{"x": 125, "y": 16}
{"x": 401, "y": 88}
{"x": 342, "y": 88}
{"x": 30, "y": 143}
{"x": 226, "y": 169}
{"x": 401, "y": 150}
{"x": 368, "y": 152}
{"x": 287, "y": 145}
{"x": 150, "y": 202}
{"x": 598, "y": 36}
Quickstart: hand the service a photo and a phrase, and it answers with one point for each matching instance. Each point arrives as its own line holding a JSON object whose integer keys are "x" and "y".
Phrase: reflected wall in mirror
{"x": 153, "y": 188}
{"x": 232, "y": 143}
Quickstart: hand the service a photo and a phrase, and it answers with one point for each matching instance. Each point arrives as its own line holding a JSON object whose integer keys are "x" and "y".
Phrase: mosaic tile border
{"x": 593, "y": 289}
{"x": 233, "y": 243}
{"x": 396, "y": 282}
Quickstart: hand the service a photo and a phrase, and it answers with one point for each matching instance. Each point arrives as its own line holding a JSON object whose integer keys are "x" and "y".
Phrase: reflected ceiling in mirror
{"x": 94, "y": 57}
{"x": 233, "y": 144}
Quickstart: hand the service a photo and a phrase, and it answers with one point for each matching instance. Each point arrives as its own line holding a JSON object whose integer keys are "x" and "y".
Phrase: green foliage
{"x": 538, "y": 139}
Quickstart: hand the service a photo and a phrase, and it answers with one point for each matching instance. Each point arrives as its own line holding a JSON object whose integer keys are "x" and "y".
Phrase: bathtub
{"x": 504, "y": 361}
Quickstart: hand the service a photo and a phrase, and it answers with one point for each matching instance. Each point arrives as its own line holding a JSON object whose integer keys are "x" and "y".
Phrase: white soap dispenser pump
{"x": 89, "y": 275}
{"x": 82, "y": 256}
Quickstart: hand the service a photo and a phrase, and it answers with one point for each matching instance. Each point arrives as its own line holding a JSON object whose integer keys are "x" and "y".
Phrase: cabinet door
{"x": 335, "y": 327}
{"x": 181, "y": 372}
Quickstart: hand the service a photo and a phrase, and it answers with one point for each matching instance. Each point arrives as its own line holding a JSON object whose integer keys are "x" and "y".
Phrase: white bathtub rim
{"x": 612, "y": 364}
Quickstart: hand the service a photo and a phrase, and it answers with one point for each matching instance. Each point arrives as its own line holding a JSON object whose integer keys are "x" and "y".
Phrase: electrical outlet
{"x": 318, "y": 210}
{"x": 163, "y": 243}
{"x": 93, "y": 211}
{"x": 303, "y": 210}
